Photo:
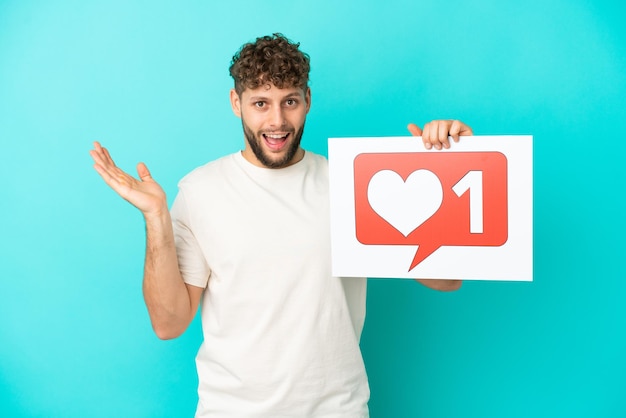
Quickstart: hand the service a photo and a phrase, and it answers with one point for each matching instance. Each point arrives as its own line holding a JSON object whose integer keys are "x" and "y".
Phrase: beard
{"x": 254, "y": 140}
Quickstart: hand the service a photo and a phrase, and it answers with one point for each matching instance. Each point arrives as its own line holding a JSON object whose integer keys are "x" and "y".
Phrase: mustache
{"x": 285, "y": 129}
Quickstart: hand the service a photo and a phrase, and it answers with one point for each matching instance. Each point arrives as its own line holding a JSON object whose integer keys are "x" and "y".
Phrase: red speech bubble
{"x": 431, "y": 200}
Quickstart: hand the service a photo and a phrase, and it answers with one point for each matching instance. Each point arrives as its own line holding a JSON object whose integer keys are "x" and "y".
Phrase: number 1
{"x": 473, "y": 182}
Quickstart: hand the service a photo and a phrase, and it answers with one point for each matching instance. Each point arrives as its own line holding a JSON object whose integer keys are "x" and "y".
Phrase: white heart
{"x": 405, "y": 204}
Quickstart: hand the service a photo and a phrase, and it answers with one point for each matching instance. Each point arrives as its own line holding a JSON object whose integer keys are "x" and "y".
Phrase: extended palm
{"x": 145, "y": 194}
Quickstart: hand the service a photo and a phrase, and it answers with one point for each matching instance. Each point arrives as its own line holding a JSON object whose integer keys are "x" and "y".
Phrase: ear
{"x": 235, "y": 102}
{"x": 307, "y": 99}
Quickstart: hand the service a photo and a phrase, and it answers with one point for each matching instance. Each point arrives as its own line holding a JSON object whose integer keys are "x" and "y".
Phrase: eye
{"x": 291, "y": 102}
{"x": 259, "y": 104}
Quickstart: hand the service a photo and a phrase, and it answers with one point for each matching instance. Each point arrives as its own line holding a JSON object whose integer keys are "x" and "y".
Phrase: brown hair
{"x": 270, "y": 60}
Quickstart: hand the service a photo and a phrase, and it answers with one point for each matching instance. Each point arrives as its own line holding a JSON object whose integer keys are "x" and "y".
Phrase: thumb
{"x": 414, "y": 129}
{"x": 143, "y": 172}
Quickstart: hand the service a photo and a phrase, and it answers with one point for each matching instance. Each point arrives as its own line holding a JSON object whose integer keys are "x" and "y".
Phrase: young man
{"x": 248, "y": 236}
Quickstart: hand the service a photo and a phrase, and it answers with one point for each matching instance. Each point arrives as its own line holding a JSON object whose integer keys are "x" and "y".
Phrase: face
{"x": 273, "y": 123}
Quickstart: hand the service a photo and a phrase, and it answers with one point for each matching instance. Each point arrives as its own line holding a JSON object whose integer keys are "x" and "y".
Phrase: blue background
{"x": 149, "y": 79}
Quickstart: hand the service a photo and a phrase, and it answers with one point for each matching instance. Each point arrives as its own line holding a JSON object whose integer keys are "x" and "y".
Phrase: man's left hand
{"x": 438, "y": 132}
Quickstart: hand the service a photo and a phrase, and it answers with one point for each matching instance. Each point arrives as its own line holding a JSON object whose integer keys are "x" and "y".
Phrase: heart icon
{"x": 405, "y": 204}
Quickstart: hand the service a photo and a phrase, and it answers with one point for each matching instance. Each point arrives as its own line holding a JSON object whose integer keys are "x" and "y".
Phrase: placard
{"x": 401, "y": 211}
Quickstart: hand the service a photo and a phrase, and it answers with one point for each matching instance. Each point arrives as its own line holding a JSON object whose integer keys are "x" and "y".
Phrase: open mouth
{"x": 276, "y": 141}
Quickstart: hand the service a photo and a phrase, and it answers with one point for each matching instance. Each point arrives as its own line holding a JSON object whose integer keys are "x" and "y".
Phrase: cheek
{"x": 253, "y": 122}
{"x": 298, "y": 120}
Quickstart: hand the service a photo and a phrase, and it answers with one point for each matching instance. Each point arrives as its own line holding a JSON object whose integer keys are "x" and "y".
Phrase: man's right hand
{"x": 145, "y": 194}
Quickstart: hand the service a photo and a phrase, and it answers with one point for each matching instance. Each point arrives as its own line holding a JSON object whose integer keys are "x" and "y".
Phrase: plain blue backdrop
{"x": 150, "y": 80}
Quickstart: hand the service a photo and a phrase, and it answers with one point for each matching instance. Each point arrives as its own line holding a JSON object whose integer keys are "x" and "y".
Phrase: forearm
{"x": 441, "y": 285}
{"x": 164, "y": 290}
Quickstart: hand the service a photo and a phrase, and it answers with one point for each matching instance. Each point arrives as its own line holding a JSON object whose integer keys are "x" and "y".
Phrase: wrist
{"x": 160, "y": 216}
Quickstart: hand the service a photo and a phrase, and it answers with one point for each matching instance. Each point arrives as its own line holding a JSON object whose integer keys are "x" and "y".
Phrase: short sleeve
{"x": 191, "y": 261}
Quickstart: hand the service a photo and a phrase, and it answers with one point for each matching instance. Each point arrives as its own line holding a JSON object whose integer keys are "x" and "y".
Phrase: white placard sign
{"x": 401, "y": 211}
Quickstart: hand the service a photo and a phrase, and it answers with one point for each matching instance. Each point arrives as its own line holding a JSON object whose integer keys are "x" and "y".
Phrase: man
{"x": 248, "y": 235}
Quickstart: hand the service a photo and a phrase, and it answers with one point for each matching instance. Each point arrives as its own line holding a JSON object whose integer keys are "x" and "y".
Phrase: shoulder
{"x": 315, "y": 171}
{"x": 316, "y": 158}
{"x": 316, "y": 161}
{"x": 207, "y": 172}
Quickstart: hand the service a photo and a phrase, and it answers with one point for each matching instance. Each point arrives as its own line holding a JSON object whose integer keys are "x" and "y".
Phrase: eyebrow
{"x": 288, "y": 96}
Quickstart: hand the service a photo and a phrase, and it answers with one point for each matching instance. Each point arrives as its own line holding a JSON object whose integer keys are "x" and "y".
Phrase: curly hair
{"x": 270, "y": 60}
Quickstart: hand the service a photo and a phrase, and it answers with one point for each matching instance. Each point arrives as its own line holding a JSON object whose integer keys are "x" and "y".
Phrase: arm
{"x": 171, "y": 303}
{"x": 436, "y": 134}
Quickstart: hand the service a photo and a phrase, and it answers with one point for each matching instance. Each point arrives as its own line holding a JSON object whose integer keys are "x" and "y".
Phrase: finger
{"x": 98, "y": 158}
{"x": 143, "y": 172}
{"x": 101, "y": 156}
{"x": 110, "y": 173}
{"x": 111, "y": 180}
{"x": 107, "y": 157}
{"x": 96, "y": 151}
{"x": 465, "y": 130}
{"x": 433, "y": 134}
{"x": 443, "y": 130}
{"x": 455, "y": 130}
{"x": 100, "y": 150}
{"x": 426, "y": 135}
{"x": 94, "y": 154}
{"x": 414, "y": 129}
{"x": 104, "y": 164}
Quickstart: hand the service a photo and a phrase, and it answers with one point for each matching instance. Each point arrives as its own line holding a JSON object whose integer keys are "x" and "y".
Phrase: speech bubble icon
{"x": 431, "y": 199}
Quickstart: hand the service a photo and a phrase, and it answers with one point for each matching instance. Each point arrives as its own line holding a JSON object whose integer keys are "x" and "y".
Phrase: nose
{"x": 276, "y": 117}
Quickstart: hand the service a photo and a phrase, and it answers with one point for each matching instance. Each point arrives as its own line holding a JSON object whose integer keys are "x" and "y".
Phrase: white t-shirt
{"x": 281, "y": 335}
